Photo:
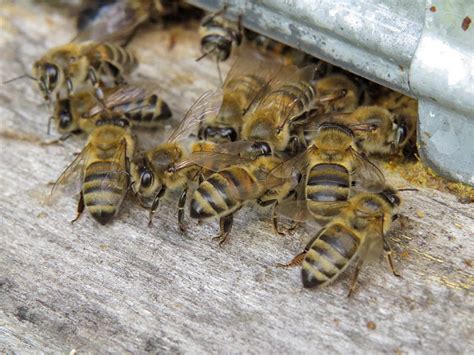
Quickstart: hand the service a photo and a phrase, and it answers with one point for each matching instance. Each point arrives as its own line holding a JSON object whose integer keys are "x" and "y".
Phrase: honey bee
{"x": 120, "y": 18}
{"x": 336, "y": 93}
{"x": 70, "y": 66}
{"x": 73, "y": 115}
{"x": 357, "y": 233}
{"x": 103, "y": 167}
{"x": 332, "y": 169}
{"x": 247, "y": 80}
{"x": 156, "y": 170}
{"x": 218, "y": 37}
{"x": 225, "y": 192}
{"x": 290, "y": 95}
{"x": 376, "y": 130}
{"x": 405, "y": 111}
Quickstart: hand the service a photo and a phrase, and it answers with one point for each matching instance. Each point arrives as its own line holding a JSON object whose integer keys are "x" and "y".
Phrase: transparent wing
{"x": 214, "y": 161}
{"x": 289, "y": 168}
{"x": 117, "y": 177}
{"x": 207, "y": 104}
{"x": 111, "y": 22}
{"x": 119, "y": 96}
{"x": 367, "y": 175}
{"x": 73, "y": 172}
{"x": 249, "y": 64}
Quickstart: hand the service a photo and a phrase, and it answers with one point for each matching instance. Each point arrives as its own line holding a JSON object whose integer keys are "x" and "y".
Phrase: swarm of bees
{"x": 293, "y": 135}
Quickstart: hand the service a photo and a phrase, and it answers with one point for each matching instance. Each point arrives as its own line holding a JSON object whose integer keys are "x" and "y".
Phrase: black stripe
{"x": 228, "y": 175}
{"x": 325, "y": 253}
{"x": 208, "y": 198}
{"x": 221, "y": 189}
{"x": 103, "y": 217}
{"x": 344, "y": 243}
{"x": 309, "y": 280}
{"x": 197, "y": 211}
{"x": 101, "y": 188}
{"x": 97, "y": 176}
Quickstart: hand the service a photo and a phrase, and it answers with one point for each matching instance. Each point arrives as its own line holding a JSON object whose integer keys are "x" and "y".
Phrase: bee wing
{"x": 366, "y": 174}
{"x": 115, "y": 177}
{"x": 289, "y": 168}
{"x": 73, "y": 172}
{"x": 214, "y": 161}
{"x": 112, "y": 22}
{"x": 207, "y": 104}
{"x": 249, "y": 64}
{"x": 118, "y": 96}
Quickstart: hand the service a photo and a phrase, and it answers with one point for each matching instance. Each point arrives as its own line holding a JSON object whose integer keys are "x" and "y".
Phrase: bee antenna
{"x": 203, "y": 56}
{"x": 20, "y": 77}
{"x": 408, "y": 189}
{"x": 219, "y": 71}
{"x": 49, "y": 125}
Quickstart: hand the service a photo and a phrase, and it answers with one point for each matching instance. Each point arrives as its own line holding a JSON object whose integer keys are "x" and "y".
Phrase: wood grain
{"x": 126, "y": 287}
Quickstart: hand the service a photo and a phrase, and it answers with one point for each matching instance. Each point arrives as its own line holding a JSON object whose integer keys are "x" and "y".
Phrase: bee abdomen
{"x": 118, "y": 56}
{"x": 328, "y": 256}
{"x": 328, "y": 183}
{"x": 217, "y": 195}
{"x": 103, "y": 189}
{"x": 147, "y": 112}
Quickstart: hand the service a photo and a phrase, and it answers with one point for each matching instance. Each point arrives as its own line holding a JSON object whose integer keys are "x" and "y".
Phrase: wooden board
{"x": 126, "y": 287}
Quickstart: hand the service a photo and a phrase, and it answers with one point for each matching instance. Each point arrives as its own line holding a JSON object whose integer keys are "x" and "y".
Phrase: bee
{"x": 247, "y": 80}
{"x": 69, "y": 67}
{"x": 225, "y": 192}
{"x": 376, "y": 130}
{"x": 72, "y": 115}
{"x": 103, "y": 167}
{"x": 156, "y": 170}
{"x": 119, "y": 18}
{"x": 332, "y": 169}
{"x": 357, "y": 233}
{"x": 218, "y": 37}
{"x": 405, "y": 111}
{"x": 290, "y": 95}
{"x": 336, "y": 93}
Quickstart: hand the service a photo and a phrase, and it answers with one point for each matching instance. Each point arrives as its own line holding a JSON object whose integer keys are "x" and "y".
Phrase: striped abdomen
{"x": 105, "y": 185}
{"x": 219, "y": 194}
{"x": 328, "y": 255}
{"x": 120, "y": 59}
{"x": 299, "y": 96}
{"x": 147, "y": 113}
{"x": 245, "y": 88}
{"x": 326, "y": 183}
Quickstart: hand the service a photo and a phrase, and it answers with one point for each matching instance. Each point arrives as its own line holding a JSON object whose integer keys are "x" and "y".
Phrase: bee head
{"x": 391, "y": 196}
{"x": 48, "y": 78}
{"x": 144, "y": 178}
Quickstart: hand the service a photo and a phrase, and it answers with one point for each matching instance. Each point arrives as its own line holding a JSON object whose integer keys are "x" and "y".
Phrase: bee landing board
{"x": 126, "y": 287}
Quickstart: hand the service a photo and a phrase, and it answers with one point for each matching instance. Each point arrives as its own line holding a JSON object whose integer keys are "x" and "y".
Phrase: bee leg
{"x": 355, "y": 277}
{"x": 388, "y": 253}
{"x": 219, "y": 71}
{"x": 92, "y": 75}
{"x": 80, "y": 208}
{"x": 225, "y": 224}
{"x": 275, "y": 219}
{"x": 61, "y": 139}
{"x": 70, "y": 87}
{"x": 181, "y": 203}
{"x": 297, "y": 260}
{"x": 155, "y": 204}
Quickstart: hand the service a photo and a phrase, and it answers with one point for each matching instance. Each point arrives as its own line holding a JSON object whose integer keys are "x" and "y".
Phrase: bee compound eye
{"x": 52, "y": 73}
{"x": 146, "y": 179}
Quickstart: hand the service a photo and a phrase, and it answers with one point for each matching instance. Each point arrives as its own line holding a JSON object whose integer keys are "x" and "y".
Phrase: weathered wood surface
{"x": 126, "y": 287}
